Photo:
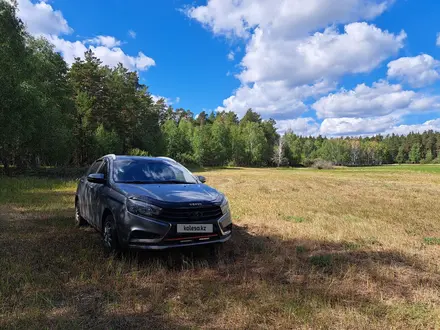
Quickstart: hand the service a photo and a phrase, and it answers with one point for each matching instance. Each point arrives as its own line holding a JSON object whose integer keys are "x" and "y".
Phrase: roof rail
{"x": 167, "y": 158}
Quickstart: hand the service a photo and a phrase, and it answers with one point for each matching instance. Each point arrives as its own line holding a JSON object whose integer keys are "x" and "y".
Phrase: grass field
{"x": 355, "y": 248}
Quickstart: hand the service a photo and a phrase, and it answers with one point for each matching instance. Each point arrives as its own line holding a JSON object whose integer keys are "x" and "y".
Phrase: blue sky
{"x": 361, "y": 67}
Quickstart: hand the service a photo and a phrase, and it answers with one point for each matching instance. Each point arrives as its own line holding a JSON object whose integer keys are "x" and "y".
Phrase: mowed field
{"x": 332, "y": 249}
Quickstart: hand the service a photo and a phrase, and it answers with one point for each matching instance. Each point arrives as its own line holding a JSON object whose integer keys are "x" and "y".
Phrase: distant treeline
{"x": 51, "y": 114}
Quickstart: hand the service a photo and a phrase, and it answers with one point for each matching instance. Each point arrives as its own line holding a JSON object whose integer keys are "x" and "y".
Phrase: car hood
{"x": 171, "y": 193}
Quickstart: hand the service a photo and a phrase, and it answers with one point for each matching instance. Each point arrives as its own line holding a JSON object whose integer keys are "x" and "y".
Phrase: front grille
{"x": 183, "y": 214}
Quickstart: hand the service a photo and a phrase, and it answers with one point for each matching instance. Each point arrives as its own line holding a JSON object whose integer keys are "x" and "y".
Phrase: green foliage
{"x": 414, "y": 154}
{"x": 254, "y": 143}
{"x": 202, "y": 145}
{"x": 321, "y": 261}
{"x": 351, "y": 246}
{"x": 300, "y": 249}
{"x": 295, "y": 219}
{"x": 432, "y": 240}
{"x": 401, "y": 157}
{"x": 138, "y": 152}
{"x": 428, "y": 158}
{"x": 107, "y": 142}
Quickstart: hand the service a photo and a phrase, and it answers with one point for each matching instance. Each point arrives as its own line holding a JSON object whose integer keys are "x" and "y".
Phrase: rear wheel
{"x": 79, "y": 220}
{"x": 110, "y": 235}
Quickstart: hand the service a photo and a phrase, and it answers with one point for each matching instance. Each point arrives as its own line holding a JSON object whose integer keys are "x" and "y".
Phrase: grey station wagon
{"x": 150, "y": 203}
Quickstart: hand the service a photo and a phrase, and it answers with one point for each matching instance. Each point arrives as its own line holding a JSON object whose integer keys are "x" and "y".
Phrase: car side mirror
{"x": 201, "y": 178}
{"x": 96, "y": 178}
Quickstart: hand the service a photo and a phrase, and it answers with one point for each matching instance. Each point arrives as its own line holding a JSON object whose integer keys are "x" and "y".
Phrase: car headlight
{"x": 142, "y": 208}
{"x": 225, "y": 206}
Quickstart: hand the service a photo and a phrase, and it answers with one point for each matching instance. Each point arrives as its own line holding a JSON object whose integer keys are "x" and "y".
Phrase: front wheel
{"x": 79, "y": 220}
{"x": 110, "y": 236}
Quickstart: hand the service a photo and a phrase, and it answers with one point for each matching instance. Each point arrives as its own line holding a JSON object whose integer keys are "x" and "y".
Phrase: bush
{"x": 322, "y": 164}
{"x": 138, "y": 152}
{"x": 308, "y": 162}
{"x": 436, "y": 161}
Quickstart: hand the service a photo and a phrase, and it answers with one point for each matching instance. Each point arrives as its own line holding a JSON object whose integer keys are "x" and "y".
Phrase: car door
{"x": 95, "y": 193}
{"x": 87, "y": 192}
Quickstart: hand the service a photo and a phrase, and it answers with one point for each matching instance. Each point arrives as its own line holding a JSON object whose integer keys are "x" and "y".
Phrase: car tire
{"x": 110, "y": 236}
{"x": 79, "y": 220}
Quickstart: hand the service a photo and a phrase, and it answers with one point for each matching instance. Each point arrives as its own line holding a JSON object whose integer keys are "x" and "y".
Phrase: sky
{"x": 335, "y": 68}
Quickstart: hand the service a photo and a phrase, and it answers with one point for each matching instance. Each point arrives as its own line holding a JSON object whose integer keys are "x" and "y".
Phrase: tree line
{"x": 53, "y": 114}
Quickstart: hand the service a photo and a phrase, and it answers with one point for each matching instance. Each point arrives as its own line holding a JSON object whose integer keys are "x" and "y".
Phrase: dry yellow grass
{"x": 336, "y": 249}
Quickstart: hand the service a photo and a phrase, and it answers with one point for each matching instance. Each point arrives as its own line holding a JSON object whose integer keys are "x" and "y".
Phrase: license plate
{"x": 194, "y": 228}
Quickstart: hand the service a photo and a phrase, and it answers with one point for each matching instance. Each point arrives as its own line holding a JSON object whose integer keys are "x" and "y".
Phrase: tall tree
{"x": 414, "y": 154}
{"x": 279, "y": 155}
{"x": 91, "y": 97}
{"x": 401, "y": 155}
{"x": 14, "y": 96}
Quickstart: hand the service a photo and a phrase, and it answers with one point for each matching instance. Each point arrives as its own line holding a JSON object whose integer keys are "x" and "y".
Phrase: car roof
{"x": 115, "y": 157}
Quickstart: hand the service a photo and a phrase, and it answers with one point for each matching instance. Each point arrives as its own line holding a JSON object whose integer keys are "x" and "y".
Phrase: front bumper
{"x": 136, "y": 232}
{"x": 179, "y": 245}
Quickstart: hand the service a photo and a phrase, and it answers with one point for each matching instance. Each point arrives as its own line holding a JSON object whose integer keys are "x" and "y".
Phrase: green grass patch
{"x": 300, "y": 249}
{"x": 351, "y": 246}
{"x": 432, "y": 240}
{"x": 321, "y": 261}
{"x": 294, "y": 219}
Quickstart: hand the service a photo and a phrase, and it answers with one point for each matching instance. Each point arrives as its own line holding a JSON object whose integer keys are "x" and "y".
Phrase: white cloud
{"x": 132, "y": 34}
{"x": 106, "y": 41}
{"x": 378, "y": 100}
{"x": 141, "y": 62}
{"x": 109, "y": 56}
{"x": 281, "y": 52}
{"x": 271, "y": 98}
{"x": 285, "y": 17}
{"x": 333, "y": 127}
{"x": 231, "y": 56}
{"x": 158, "y": 97}
{"x": 329, "y": 54}
{"x": 357, "y": 126}
{"x": 417, "y": 128}
{"x": 418, "y": 71}
{"x": 41, "y": 19}
{"x": 299, "y": 126}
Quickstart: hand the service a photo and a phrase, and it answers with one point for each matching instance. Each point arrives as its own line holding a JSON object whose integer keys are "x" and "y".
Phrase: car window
{"x": 94, "y": 168}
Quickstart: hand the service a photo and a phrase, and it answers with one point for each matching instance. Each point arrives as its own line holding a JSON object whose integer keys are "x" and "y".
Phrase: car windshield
{"x": 150, "y": 171}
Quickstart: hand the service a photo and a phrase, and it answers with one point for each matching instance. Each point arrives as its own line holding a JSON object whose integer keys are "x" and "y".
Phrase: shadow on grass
{"x": 56, "y": 276}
